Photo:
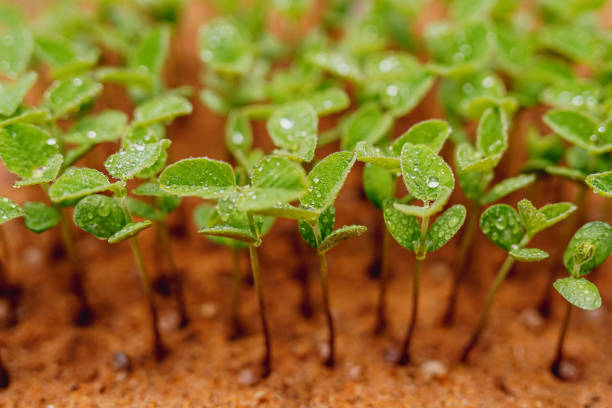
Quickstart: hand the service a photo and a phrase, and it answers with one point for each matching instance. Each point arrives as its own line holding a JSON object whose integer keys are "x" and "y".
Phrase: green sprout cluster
{"x": 331, "y": 98}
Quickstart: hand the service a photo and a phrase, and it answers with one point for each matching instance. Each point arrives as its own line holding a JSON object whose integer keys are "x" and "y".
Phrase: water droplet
{"x": 433, "y": 182}
{"x": 77, "y": 82}
{"x": 286, "y": 123}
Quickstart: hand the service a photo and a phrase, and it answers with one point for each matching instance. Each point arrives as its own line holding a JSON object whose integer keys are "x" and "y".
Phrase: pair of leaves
{"x": 426, "y": 175}
{"x": 601, "y": 183}
{"x": 30, "y": 152}
{"x": 68, "y": 95}
{"x": 581, "y": 129}
{"x": 12, "y": 94}
{"x": 104, "y": 218}
{"x": 135, "y": 159}
{"x": 225, "y": 47}
{"x": 163, "y": 108}
{"x": 508, "y": 228}
{"x": 491, "y": 143}
{"x": 38, "y": 217}
{"x": 405, "y": 228}
{"x": 328, "y": 238}
{"x": 293, "y": 128}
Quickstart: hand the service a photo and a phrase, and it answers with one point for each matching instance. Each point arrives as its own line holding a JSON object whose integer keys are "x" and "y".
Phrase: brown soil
{"x": 54, "y": 364}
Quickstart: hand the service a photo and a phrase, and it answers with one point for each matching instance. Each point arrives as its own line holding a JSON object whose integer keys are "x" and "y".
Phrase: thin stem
{"x": 174, "y": 272}
{"x": 462, "y": 258}
{"x": 501, "y": 276}
{"x": 385, "y": 275}
{"x": 330, "y": 361}
{"x": 416, "y": 283}
{"x": 236, "y": 327}
{"x": 5, "y": 378}
{"x": 84, "y": 315}
{"x": 5, "y": 260}
{"x": 544, "y": 305}
{"x": 555, "y": 367}
{"x": 267, "y": 360}
{"x": 158, "y": 346}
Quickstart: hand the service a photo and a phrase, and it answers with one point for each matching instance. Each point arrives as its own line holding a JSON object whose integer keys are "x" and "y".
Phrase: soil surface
{"x": 55, "y": 364}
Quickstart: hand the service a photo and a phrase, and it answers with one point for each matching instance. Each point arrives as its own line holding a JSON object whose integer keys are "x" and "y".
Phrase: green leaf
{"x": 601, "y": 183}
{"x": 43, "y": 174}
{"x": 107, "y": 126}
{"x": 462, "y": 47}
{"x": 326, "y": 179}
{"x": 425, "y": 174}
{"x": 128, "y": 231}
{"x": 16, "y": 50}
{"x": 162, "y": 108}
{"x": 492, "y": 134}
{"x": 289, "y": 211}
{"x": 9, "y": 210}
{"x": 201, "y": 177}
{"x": 557, "y": 212}
{"x": 24, "y": 116}
{"x": 368, "y": 123}
{"x": 431, "y": 133}
{"x": 39, "y": 217}
{"x": 597, "y": 234}
{"x": 151, "y": 189}
{"x": 405, "y": 229}
{"x": 579, "y": 292}
{"x": 401, "y": 96}
{"x": 229, "y": 232}
{"x": 238, "y": 131}
{"x": 337, "y": 63}
{"x": 12, "y": 94}
{"x": 445, "y": 227}
{"x": 293, "y": 128}
{"x": 339, "y": 235}
{"x": 225, "y": 46}
{"x": 378, "y": 184}
{"x": 125, "y": 76}
{"x": 77, "y": 182}
{"x": 63, "y": 55}
{"x": 565, "y": 172}
{"x": 535, "y": 220}
{"x": 502, "y": 225}
{"x": 28, "y": 151}
{"x": 99, "y": 215}
{"x": 325, "y": 221}
{"x": 328, "y": 101}
{"x": 275, "y": 180}
{"x": 528, "y": 254}
{"x": 151, "y": 53}
{"x": 141, "y": 209}
{"x": 128, "y": 162}
{"x": 506, "y": 187}
{"x": 580, "y": 129}
{"x": 373, "y": 155}
{"x": 468, "y": 159}
{"x": 69, "y": 94}
{"x": 152, "y": 133}
{"x": 571, "y": 40}
{"x": 204, "y": 216}
{"x": 428, "y": 210}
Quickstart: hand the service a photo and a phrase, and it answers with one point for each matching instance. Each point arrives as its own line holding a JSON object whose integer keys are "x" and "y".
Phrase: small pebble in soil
{"x": 568, "y": 370}
{"x": 440, "y": 270}
{"x": 323, "y": 350}
{"x": 247, "y": 377}
{"x": 391, "y": 354}
{"x": 168, "y": 321}
{"x": 209, "y": 310}
{"x": 433, "y": 369}
{"x": 531, "y": 319}
{"x": 121, "y": 361}
{"x": 260, "y": 396}
{"x": 354, "y": 372}
{"x": 32, "y": 256}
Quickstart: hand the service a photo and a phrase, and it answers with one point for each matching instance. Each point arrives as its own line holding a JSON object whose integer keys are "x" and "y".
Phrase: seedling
{"x": 38, "y": 156}
{"x": 512, "y": 231}
{"x": 429, "y": 179}
{"x": 475, "y": 171}
{"x": 325, "y": 181}
{"x": 588, "y": 248}
{"x": 274, "y": 182}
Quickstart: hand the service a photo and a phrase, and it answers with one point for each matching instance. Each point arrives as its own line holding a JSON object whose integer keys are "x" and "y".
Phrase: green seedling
{"x": 273, "y": 183}
{"x": 109, "y": 218}
{"x": 40, "y": 154}
{"x": 325, "y": 181}
{"x": 428, "y": 179}
{"x": 588, "y": 248}
{"x": 476, "y": 185}
{"x": 601, "y": 183}
{"x": 512, "y": 231}
{"x": 379, "y": 183}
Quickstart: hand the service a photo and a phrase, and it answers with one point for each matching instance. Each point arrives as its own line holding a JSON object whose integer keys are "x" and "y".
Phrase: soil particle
{"x": 209, "y": 310}
{"x": 120, "y": 361}
{"x": 433, "y": 369}
{"x": 531, "y": 319}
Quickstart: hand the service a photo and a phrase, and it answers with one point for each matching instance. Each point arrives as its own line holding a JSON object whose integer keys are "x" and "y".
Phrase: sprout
{"x": 325, "y": 181}
{"x": 512, "y": 232}
{"x": 428, "y": 179}
{"x": 588, "y": 248}
{"x": 274, "y": 182}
